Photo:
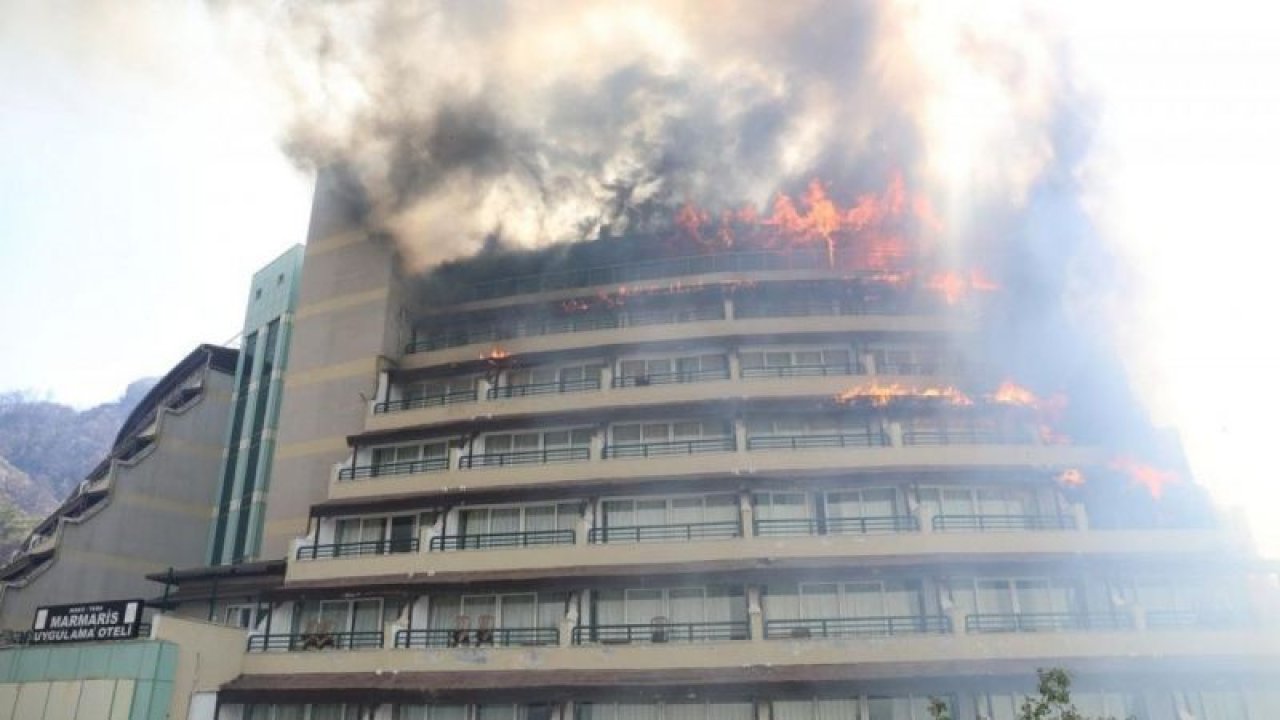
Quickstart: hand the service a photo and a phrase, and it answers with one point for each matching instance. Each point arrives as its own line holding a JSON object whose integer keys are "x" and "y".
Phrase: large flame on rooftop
{"x": 878, "y": 231}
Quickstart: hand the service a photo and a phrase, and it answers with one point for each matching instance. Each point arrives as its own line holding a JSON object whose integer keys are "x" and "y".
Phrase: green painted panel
{"x": 64, "y": 663}
{"x": 150, "y": 660}
{"x": 141, "y": 707}
{"x": 95, "y": 662}
{"x": 161, "y": 693}
{"x": 126, "y": 661}
{"x": 8, "y": 661}
{"x": 32, "y": 664}
{"x": 147, "y": 660}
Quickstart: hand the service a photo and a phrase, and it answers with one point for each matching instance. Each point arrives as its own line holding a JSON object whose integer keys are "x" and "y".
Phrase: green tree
{"x": 1052, "y": 701}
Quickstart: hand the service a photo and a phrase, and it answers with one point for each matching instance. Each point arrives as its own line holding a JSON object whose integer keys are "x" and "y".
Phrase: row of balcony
{"x": 868, "y": 438}
{"x": 696, "y": 531}
{"x": 661, "y": 630}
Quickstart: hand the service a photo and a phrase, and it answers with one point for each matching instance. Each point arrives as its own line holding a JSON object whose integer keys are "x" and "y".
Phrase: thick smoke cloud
{"x": 543, "y": 122}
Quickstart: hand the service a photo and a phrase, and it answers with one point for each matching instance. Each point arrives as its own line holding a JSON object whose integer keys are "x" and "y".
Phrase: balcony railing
{"x": 786, "y": 371}
{"x": 547, "y": 388}
{"x": 909, "y": 368}
{"x": 1204, "y": 619}
{"x": 426, "y": 401}
{"x": 412, "y": 467}
{"x": 1047, "y": 622}
{"x": 672, "y": 447}
{"x": 687, "y": 376}
{"x": 525, "y": 457}
{"x": 478, "y": 637}
{"x": 494, "y": 541}
{"x": 868, "y": 438}
{"x": 998, "y": 523}
{"x": 357, "y": 549}
{"x": 660, "y": 632}
{"x": 748, "y": 308}
{"x": 962, "y": 436}
{"x": 537, "y": 327}
{"x": 660, "y": 533}
{"x": 855, "y": 627}
{"x": 632, "y": 272}
{"x": 837, "y": 526}
{"x": 316, "y": 641}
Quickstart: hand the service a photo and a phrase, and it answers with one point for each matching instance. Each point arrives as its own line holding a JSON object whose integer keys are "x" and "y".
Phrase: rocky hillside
{"x": 47, "y": 448}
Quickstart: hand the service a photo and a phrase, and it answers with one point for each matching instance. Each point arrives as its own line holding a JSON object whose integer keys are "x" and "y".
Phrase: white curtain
{"x": 782, "y": 602}
{"x": 636, "y": 711}
{"x": 792, "y": 710}
{"x": 730, "y": 711}
{"x": 518, "y": 611}
{"x": 836, "y": 709}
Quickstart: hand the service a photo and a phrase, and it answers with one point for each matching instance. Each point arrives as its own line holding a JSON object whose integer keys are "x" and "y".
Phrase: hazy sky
{"x": 141, "y": 184}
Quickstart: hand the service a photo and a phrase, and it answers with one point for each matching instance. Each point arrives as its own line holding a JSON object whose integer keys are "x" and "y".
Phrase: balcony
{"x": 1047, "y": 622}
{"x": 665, "y": 533}
{"x": 788, "y": 371}
{"x": 837, "y": 526}
{"x": 479, "y": 637}
{"x": 881, "y": 626}
{"x": 502, "y": 541}
{"x": 1002, "y": 523}
{"x": 963, "y": 436}
{"x": 358, "y": 549}
{"x": 461, "y": 396}
{"x": 547, "y": 388}
{"x": 660, "y": 631}
{"x": 524, "y": 457}
{"x": 672, "y": 447}
{"x": 413, "y": 467}
{"x": 690, "y": 376}
{"x": 867, "y": 439}
{"x": 1221, "y": 619}
{"x": 319, "y": 640}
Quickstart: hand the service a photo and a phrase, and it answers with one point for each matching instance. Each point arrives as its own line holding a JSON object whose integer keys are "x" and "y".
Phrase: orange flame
{"x": 871, "y": 234}
{"x": 881, "y": 395}
{"x": 953, "y": 286}
{"x": 496, "y": 354}
{"x": 1153, "y": 479}
{"x": 1071, "y": 477}
{"x": 1011, "y": 393}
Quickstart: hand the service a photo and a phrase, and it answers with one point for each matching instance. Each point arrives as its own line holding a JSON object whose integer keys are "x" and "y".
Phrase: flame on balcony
{"x": 879, "y": 395}
{"x": 496, "y": 355}
{"x": 1154, "y": 479}
{"x": 954, "y": 287}
{"x": 1071, "y": 478}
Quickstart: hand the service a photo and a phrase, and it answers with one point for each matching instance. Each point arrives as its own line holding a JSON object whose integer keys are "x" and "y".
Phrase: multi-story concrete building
{"x": 725, "y": 487}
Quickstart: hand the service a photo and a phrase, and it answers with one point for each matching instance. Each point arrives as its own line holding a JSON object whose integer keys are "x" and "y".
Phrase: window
{"x": 243, "y": 616}
{"x": 780, "y": 505}
{"x": 759, "y": 362}
{"x": 389, "y": 457}
{"x": 855, "y": 708}
{"x": 908, "y": 359}
{"x": 643, "y": 371}
{"x": 579, "y": 374}
{"x": 666, "y": 711}
{"x": 670, "y": 511}
{"x": 519, "y": 518}
{"x": 644, "y": 606}
{"x": 535, "y": 441}
{"x": 978, "y": 501}
{"x": 347, "y": 623}
{"x": 370, "y": 535}
{"x": 657, "y": 432}
{"x": 824, "y": 425}
{"x": 861, "y": 599}
{"x": 439, "y": 388}
{"x": 863, "y": 503}
{"x": 1009, "y": 596}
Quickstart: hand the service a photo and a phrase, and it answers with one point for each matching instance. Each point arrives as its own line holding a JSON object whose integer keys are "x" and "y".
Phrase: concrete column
{"x": 728, "y": 307}
{"x": 957, "y": 616}
{"x": 1082, "y": 517}
{"x": 606, "y": 375}
{"x": 868, "y": 363}
{"x": 389, "y": 634}
{"x": 598, "y": 442}
{"x": 740, "y": 433}
{"x": 735, "y": 364}
{"x": 924, "y": 514}
{"x": 894, "y": 431}
{"x": 482, "y": 388}
{"x": 746, "y": 514}
{"x": 455, "y": 456}
{"x": 383, "y": 391}
{"x": 1139, "y": 617}
{"x": 755, "y": 613}
{"x": 590, "y": 512}
{"x": 571, "y": 617}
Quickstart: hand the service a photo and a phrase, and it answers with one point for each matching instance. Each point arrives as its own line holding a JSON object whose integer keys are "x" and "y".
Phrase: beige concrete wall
{"x": 883, "y": 550}
{"x": 156, "y": 515}
{"x": 208, "y": 656}
{"x": 348, "y": 317}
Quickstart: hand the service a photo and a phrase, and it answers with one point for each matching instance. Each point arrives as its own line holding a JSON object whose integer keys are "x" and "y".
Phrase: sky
{"x": 141, "y": 183}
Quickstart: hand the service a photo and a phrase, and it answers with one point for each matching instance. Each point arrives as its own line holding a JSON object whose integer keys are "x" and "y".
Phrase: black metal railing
{"x": 649, "y": 270}
{"x": 998, "y": 523}
{"x": 493, "y": 541}
{"x": 754, "y": 308}
{"x": 660, "y": 632}
{"x": 961, "y": 436}
{"x": 786, "y": 371}
{"x": 546, "y": 388}
{"x": 537, "y": 327}
{"x": 316, "y": 641}
{"x": 1047, "y": 622}
{"x": 908, "y": 368}
{"x": 1201, "y": 619}
{"x": 412, "y": 467}
{"x": 525, "y": 457}
{"x": 868, "y": 438}
{"x": 671, "y": 447}
{"x": 658, "y": 533}
{"x": 478, "y": 637}
{"x": 357, "y": 549}
{"x": 861, "y": 626}
{"x": 438, "y": 400}
{"x": 837, "y": 526}
{"x": 669, "y": 378}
